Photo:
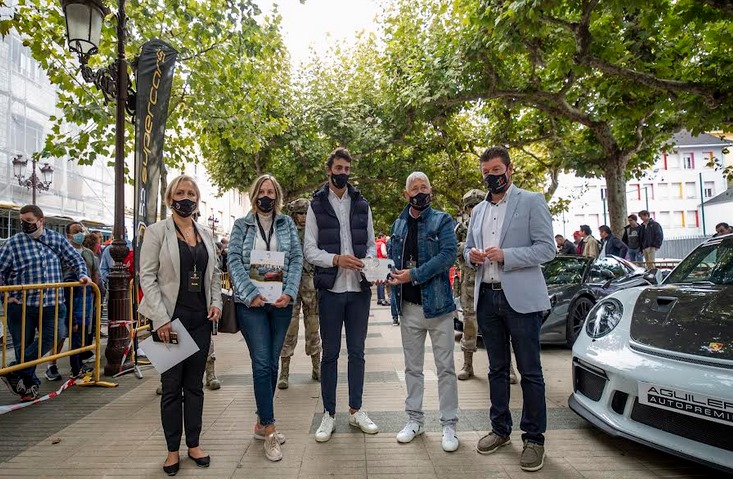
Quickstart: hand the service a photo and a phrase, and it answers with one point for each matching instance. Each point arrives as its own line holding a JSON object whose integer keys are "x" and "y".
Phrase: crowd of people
{"x": 40, "y": 255}
{"x": 501, "y": 240}
{"x": 640, "y": 241}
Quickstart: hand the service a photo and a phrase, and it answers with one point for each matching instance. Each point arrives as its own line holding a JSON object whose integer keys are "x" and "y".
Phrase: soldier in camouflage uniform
{"x": 307, "y": 297}
{"x": 468, "y": 281}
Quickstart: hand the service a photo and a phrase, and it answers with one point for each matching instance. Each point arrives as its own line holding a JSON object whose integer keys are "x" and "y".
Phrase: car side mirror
{"x": 651, "y": 276}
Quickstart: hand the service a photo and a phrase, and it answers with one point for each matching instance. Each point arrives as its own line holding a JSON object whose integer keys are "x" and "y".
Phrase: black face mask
{"x": 28, "y": 228}
{"x": 420, "y": 201}
{"x": 184, "y": 208}
{"x": 496, "y": 183}
{"x": 339, "y": 181}
{"x": 265, "y": 204}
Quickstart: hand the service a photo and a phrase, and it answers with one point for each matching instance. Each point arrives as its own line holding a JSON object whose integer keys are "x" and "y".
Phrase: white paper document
{"x": 376, "y": 269}
{"x": 266, "y": 272}
{"x": 166, "y": 355}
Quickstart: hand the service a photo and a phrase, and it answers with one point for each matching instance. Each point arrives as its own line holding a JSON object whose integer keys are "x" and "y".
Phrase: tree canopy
{"x": 589, "y": 86}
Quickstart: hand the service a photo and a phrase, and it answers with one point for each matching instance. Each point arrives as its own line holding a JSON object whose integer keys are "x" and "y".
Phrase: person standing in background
{"x": 308, "y": 299}
{"x": 591, "y": 248}
{"x": 651, "y": 239}
{"x": 631, "y": 238}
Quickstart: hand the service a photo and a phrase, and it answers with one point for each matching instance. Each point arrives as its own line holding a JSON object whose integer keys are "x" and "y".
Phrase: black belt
{"x": 491, "y": 287}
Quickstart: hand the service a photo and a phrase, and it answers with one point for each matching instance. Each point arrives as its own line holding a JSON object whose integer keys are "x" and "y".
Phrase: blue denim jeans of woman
{"x": 264, "y": 331}
{"x": 500, "y": 324}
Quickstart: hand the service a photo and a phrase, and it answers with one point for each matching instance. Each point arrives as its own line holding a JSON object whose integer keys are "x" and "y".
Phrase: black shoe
{"x": 14, "y": 383}
{"x": 31, "y": 394}
{"x": 395, "y": 322}
{"x": 172, "y": 470}
{"x": 201, "y": 461}
{"x": 52, "y": 373}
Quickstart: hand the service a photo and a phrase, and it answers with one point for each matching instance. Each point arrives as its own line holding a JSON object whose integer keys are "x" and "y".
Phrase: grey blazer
{"x": 527, "y": 241}
{"x": 160, "y": 272}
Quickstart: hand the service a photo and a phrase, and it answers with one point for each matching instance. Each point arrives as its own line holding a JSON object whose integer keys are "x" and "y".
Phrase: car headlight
{"x": 603, "y": 318}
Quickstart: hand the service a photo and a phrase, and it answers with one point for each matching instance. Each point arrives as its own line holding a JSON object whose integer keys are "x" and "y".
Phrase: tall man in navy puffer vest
{"x": 338, "y": 234}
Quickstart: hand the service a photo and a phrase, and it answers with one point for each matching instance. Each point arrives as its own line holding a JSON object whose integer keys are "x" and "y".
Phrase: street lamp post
{"x": 213, "y": 221}
{"x": 34, "y": 182}
{"x": 84, "y": 20}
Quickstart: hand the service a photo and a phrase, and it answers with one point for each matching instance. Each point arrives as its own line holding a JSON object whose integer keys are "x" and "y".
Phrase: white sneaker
{"x": 450, "y": 439}
{"x": 409, "y": 432}
{"x": 325, "y": 430}
{"x": 273, "y": 451}
{"x": 361, "y": 420}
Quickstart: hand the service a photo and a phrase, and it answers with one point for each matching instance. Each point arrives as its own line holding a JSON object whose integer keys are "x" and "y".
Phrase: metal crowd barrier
{"x": 53, "y": 354}
{"x": 140, "y": 324}
{"x": 671, "y": 264}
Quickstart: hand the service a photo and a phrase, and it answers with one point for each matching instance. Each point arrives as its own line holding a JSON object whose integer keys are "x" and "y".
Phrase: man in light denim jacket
{"x": 423, "y": 251}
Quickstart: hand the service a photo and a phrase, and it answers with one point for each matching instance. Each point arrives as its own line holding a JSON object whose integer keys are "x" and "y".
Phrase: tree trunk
{"x": 616, "y": 194}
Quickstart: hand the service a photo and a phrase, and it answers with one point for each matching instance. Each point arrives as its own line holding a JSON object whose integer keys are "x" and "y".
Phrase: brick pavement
{"x": 116, "y": 432}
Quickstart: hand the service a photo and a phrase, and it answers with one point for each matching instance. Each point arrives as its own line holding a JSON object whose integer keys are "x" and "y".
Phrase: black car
{"x": 575, "y": 284}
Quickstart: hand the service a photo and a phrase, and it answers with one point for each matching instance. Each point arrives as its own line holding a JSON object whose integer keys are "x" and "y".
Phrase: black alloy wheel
{"x": 576, "y": 318}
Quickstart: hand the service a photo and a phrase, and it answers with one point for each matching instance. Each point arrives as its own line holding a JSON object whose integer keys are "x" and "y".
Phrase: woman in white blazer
{"x": 180, "y": 279}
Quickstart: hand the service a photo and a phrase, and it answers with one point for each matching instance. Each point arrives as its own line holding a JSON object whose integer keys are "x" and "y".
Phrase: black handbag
{"x": 228, "y": 322}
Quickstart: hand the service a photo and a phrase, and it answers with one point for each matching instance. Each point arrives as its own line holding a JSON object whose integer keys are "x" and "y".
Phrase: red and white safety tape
{"x": 51, "y": 395}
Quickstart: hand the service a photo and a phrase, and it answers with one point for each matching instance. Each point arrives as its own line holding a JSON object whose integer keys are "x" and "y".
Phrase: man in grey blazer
{"x": 509, "y": 237}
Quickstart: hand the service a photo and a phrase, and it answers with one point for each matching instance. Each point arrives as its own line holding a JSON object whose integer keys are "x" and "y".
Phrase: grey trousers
{"x": 414, "y": 327}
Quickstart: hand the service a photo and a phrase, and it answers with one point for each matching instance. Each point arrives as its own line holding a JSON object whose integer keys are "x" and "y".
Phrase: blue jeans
{"x": 393, "y": 305}
{"x": 264, "y": 331}
{"x": 81, "y": 322}
{"x": 499, "y": 324}
{"x": 352, "y": 311}
{"x": 635, "y": 255}
{"x": 380, "y": 292}
{"x": 48, "y": 328}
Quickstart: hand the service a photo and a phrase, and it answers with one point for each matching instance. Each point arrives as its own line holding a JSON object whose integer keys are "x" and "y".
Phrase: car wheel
{"x": 576, "y": 318}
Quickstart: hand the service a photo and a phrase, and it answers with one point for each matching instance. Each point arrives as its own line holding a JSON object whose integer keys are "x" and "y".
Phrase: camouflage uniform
{"x": 306, "y": 298}
{"x": 468, "y": 282}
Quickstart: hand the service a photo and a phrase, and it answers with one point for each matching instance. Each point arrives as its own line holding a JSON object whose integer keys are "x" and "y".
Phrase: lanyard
{"x": 267, "y": 238}
{"x": 191, "y": 249}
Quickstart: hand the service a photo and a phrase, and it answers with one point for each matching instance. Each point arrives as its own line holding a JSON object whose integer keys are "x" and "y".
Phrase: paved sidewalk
{"x": 117, "y": 433}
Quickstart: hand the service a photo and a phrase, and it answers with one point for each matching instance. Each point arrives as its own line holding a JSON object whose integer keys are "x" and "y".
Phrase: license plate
{"x": 685, "y": 402}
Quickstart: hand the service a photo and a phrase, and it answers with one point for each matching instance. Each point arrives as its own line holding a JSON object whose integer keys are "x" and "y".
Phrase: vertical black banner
{"x": 155, "y": 69}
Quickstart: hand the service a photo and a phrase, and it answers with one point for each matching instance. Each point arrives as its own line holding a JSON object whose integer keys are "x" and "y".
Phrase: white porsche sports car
{"x": 655, "y": 364}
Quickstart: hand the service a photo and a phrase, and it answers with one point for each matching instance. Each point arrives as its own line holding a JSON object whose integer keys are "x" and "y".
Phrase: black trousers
{"x": 182, "y": 401}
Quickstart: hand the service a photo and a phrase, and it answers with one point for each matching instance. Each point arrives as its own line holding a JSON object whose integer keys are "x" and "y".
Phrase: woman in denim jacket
{"x": 263, "y": 324}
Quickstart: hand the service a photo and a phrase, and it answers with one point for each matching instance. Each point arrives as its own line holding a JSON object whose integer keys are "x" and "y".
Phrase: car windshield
{"x": 711, "y": 263}
{"x": 564, "y": 270}
{"x": 604, "y": 269}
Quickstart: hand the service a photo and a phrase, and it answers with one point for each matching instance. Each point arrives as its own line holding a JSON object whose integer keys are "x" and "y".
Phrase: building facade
{"x": 674, "y": 190}
{"x": 78, "y": 192}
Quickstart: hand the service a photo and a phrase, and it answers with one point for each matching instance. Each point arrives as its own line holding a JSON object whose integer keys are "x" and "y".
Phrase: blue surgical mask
{"x": 78, "y": 238}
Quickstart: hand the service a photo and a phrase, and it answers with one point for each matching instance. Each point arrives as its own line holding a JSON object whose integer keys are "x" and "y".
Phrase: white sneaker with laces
{"x": 361, "y": 420}
{"x": 450, "y": 439}
{"x": 325, "y": 430}
{"x": 409, "y": 432}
